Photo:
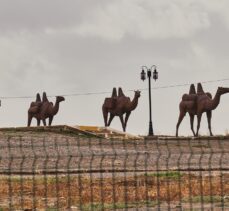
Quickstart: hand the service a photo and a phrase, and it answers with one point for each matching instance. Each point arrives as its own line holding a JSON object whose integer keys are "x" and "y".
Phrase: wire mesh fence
{"x": 98, "y": 174}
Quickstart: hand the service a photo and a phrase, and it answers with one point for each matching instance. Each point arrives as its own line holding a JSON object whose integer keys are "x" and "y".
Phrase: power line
{"x": 188, "y": 84}
{"x": 106, "y": 92}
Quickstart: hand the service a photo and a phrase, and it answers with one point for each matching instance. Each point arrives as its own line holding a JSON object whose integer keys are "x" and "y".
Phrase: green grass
{"x": 99, "y": 206}
{"x": 166, "y": 175}
{"x": 106, "y": 206}
{"x": 205, "y": 199}
{"x": 52, "y": 209}
{"x": 201, "y": 146}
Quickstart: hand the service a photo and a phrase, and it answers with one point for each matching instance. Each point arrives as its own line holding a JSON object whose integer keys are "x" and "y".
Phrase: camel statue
{"x": 118, "y": 106}
{"x": 190, "y": 102}
{"x": 47, "y": 110}
{"x": 197, "y": 104}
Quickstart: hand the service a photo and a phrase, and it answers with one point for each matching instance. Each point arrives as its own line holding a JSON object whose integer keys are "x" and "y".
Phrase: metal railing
{"x": 59, "y": 173}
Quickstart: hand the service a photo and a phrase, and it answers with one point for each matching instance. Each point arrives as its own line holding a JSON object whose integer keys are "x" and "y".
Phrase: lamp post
{"x": 155, "y": 77}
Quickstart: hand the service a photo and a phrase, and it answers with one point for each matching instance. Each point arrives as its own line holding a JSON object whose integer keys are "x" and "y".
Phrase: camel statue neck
{"x": 134, "y": 103}
{"x": 56, "y": 107}
{"x": 215, "y": 101}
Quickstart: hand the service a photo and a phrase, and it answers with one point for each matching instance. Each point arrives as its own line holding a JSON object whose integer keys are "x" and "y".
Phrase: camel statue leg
{"x": 181, "y": 117}
{"x": 105, "y": 116}
{"x": 198, "y": 123}
{"x": 123, "y": 123}
{"x": 191, "y": 123}
{"x": 127, "y": 117}
{"x": 29, "y": 120}
{"x": 110, "y": 119}
{"x": 50, "y": 120}
{"x": 209, "y": 116}
{"x": 44, "y": 122}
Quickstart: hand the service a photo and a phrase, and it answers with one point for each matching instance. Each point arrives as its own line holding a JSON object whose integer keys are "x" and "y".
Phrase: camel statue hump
{"x": 192, "y": 89}
{"x": 114, "y": 93}
{"x": 44, "y": 97}
{"x": 38, "y": 98}
{"x": 120, "y": 92}
{"x": 200, "y": 89}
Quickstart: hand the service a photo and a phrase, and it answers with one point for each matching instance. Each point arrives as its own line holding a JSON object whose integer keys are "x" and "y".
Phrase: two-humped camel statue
{"x": 196, "y": 103}
{"x": 118, "y": 105}
{"x": 41, "y": 110}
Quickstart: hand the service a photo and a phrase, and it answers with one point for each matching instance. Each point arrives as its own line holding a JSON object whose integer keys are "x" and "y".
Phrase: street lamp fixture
{"x": 155, "y": 74}
{"x": 155, "y": 77}
{"x": 143, "y": 74}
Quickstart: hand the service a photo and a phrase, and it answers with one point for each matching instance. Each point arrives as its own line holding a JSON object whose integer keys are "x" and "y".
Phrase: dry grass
{"x": 50, "y": 193}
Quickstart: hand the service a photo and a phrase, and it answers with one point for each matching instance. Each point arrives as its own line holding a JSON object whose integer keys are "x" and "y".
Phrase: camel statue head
{"x": 223, "y": 90}
{"x": 137, "y": 93}
{"x": 59, "y": 99}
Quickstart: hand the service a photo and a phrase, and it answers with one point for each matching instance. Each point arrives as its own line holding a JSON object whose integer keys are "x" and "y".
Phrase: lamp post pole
{"x": 155, "y": 77}
{"x": 150, "y": 106}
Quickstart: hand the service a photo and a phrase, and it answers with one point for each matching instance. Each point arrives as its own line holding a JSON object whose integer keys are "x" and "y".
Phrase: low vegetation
{"x": 52, "y": 193}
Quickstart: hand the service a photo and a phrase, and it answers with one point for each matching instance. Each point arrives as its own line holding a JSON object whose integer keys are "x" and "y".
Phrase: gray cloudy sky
{"x": 80, "y": 46}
